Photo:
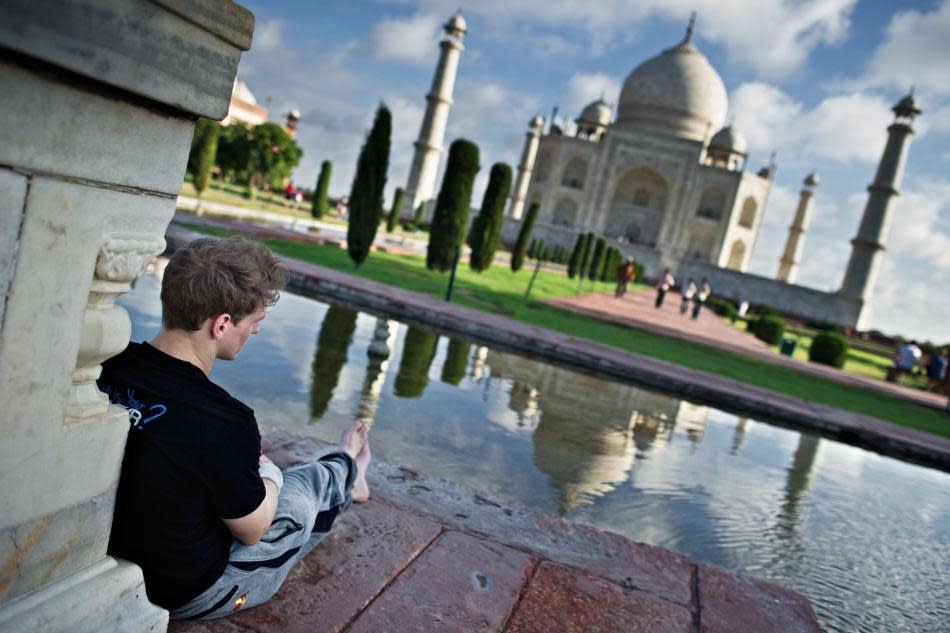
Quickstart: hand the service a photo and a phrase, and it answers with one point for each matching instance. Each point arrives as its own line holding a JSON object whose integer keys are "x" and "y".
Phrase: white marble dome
{"x": 597, "y": 112}
{"x": 677, "y": 92}
{"x": 728, "y": 140}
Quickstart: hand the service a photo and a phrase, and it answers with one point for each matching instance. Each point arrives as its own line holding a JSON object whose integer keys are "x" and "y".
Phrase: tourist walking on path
{"x": 688, "y": 293}
{"x": 625, "y": 272}
{"x": 212, "y": 522}
{"x": 663, "y": 286}
{"x": 936, "y": 368}
{"x": 701, "y": 295}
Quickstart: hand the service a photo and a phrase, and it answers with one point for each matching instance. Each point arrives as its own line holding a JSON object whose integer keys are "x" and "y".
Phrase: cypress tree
{"x": 366, "y": 194}
{"x": 418, "y": 350}
{"x": 575, "y": 260}
{"x": 527, "y": 225}
{"x": 336, "y": 333}
{"x": 450, "y": 220}
{"x": 539, "y": 250}
{"x": 610, "y": 264}
{"x": 486, "y": 230}
{"x": 456, "y": 361}
{"x": 321, "y": 204}
{"x": 394, "y": 212}
{"x": 597, "y": 261}
{"x": 584, "y": 262}
{"x": 419, "y": 215}
{"x": 206, "y": 155}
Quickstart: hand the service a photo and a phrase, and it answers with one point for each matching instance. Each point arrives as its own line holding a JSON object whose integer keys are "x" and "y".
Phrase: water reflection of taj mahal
{"x": 589, "y": 430}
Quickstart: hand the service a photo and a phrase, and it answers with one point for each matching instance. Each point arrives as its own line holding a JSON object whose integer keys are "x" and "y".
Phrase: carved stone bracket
{"x": 106, "y": 327}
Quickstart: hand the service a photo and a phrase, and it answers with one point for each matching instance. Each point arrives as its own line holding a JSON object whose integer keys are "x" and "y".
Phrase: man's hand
{"x": 264, "y": 459}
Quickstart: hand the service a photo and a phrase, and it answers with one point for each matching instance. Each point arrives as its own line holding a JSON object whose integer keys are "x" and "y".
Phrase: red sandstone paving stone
{"x": 223, "y": 625}
{"x": 653, "y": 569}
{"x": 564, "y": 600}
{"x": 460, "y": 583}
{"x": 729, "y": 603}
{"x": 368, "y": 547}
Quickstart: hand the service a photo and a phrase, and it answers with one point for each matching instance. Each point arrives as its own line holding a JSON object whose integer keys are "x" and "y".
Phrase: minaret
{"x": 869, "y": 242}
{"x": 525, "y": 167}
{"x": 788, "y": 265}
{"x": 425, "y": 160}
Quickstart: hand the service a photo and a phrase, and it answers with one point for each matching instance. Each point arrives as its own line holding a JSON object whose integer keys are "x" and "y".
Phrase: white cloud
{"x": 582, "y": 88}
{"x": 410, "y": 40}
{"x": 765, "y": 115}
{"x": 920, "y": 227}
{"x": 773, "y": 37}
{"x": 847, "y": 127}
{"x": 840, "y": 127}
{"x": 268, "y": 35}
{"x": 916, "y": 50}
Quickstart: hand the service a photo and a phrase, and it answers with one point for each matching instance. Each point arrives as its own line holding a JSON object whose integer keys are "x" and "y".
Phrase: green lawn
{"x": 498, "y": 290}
{"x": 236, "y": 196}
{"x": 859, "y": 361}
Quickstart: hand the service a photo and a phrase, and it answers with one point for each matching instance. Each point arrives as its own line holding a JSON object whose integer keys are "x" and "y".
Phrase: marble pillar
{"x": 98, "y": 102}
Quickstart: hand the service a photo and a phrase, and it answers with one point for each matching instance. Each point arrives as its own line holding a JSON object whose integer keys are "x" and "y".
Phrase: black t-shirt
{"x": 191, "y": 460}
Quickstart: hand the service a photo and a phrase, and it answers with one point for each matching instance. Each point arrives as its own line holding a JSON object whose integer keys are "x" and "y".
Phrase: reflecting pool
{"x": 865, "y": 537}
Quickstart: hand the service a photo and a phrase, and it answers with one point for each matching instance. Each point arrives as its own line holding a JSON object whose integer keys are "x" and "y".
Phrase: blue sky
{"x": 813, "y": 80}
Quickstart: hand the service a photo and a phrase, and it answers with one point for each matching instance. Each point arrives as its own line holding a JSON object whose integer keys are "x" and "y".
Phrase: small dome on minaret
{"x": 907, "y": 107}
{"x": 536, "y": 122}
{"x": 812, "y": 179}
{"x": 456, "y": 26}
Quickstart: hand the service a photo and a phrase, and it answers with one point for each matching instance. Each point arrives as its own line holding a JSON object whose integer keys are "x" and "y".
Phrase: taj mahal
{"x": 665, "y": 180}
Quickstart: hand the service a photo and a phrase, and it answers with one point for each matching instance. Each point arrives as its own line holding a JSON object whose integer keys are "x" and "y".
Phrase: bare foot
{"x": 354, "y": 438}
{"x": 360, "y": 487}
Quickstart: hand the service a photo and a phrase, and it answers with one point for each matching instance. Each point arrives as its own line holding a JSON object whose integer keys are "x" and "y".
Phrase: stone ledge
{"x": 181, "y": 54}
{"x": 578, "y": 563}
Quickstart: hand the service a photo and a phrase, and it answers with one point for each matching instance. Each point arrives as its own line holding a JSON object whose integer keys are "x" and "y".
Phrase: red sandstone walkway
{"x": 427, "y": 555}
{"x": 636, "y": 310}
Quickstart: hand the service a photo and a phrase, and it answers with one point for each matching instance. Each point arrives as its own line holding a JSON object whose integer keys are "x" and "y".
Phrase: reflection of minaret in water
{"x": 798, "y": 478}
{"x": 693, "y": 416}
{"x": 738, "y": 438}
{"x": 378, "y": 353}
{"x": 478, "y": 363}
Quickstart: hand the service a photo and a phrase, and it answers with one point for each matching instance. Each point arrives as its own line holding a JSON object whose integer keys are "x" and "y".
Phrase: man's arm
{"x": 249, "y": 529}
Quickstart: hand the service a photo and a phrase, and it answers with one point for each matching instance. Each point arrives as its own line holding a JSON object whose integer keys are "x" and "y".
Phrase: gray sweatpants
{"x": 312, "y": 496}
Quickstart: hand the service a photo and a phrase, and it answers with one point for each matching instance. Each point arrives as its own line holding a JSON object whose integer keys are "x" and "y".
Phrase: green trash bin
{"x": 788, "y": 346}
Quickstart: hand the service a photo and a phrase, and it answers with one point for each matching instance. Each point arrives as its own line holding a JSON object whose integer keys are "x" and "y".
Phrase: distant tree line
{"x": 263, "y": 156}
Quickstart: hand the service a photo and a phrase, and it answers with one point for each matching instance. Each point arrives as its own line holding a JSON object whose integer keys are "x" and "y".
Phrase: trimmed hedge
{"x": 485, "y": 236}
{"x": 829, "y": 348}
{"x": 394, "y": 212}
{"x": 722, "y": 307}
{"x": 366, "y": 193}
{"x": 527, "y": 225}
{"x": 321, "y": 203}
{"x": 768, "y": 328}
{"x": 450, "y": 219}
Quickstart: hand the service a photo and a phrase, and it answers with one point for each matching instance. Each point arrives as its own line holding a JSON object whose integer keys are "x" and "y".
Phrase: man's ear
{"x": 219, "y": 325}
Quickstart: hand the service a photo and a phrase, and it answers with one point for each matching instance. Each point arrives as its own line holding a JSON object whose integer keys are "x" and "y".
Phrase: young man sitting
{"x": 213, "y": 523}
